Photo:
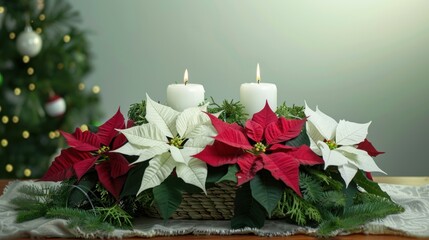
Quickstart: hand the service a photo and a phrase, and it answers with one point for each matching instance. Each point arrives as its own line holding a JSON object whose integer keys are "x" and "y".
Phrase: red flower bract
{"x": 257, "y": 146}
{"x": 93, "y": 150}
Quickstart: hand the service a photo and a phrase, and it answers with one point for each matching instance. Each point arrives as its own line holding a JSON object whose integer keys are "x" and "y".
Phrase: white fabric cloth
{"x": 413, "y": 222}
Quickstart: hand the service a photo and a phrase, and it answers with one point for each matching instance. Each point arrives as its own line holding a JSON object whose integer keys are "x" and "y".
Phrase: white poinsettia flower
{"x": 168, "y": 141}
{"x": 337, "y": 143}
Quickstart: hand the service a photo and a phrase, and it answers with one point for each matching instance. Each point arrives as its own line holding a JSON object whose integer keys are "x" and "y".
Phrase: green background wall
{"x": 357, "y": 60}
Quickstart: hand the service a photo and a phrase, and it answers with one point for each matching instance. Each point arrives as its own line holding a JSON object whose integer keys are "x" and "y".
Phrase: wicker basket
{"x": 218, "y": 204}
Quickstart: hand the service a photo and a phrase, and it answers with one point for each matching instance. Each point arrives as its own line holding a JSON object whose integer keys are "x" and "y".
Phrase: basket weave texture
{"x": 218, "y": 204}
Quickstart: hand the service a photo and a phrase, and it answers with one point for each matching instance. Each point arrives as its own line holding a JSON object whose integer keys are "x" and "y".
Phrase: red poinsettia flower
{"x": 259, "y": 146}
{"x": 93, "y": 150}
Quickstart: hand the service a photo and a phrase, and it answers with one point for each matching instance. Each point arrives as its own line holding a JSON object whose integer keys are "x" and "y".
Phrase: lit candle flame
{"x": 185, "y": 77}
{"x": 258, "y": 74}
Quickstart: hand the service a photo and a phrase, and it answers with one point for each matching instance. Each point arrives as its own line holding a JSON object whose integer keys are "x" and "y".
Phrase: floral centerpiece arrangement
{"x": 212, "y": 162}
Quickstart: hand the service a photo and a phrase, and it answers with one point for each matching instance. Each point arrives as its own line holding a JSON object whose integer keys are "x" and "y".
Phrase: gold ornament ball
{"x": 9, "y": 167}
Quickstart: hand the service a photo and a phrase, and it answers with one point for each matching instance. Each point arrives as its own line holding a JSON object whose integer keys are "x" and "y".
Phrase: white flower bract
{"x": 337, "y": 142}
{"x": 153, "y": 141}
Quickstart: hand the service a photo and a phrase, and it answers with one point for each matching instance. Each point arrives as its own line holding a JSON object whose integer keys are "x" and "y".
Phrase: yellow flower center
{"x": 176, "y": 141}
{"x": 259, "y": 148}
{"x": 331, "y": 144}
{"x": 103, "y": 149}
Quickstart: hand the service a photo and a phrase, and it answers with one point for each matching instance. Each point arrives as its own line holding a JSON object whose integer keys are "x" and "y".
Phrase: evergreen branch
{"x": 311, "y": 189}
{"x": 231, "y": 112}
{"x": 294, "y": 112}
{"x": 87, "y": 221}
{"x": 115, "y": 216}
{"x": 137, "y": 113}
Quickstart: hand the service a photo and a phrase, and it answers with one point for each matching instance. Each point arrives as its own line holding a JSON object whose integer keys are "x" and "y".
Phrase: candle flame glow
{"x": 258, "y": 74}
{"x": 185, "y": 77}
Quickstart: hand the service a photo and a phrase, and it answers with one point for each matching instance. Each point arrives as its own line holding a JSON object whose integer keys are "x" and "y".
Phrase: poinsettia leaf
{"x": 247, "y": 211}
{"x": 266, "y": 190}
{"x": 234, "y": 138}
{"x": 84, "y": 165}
{"x": 283, "y": 167}
{"x": 79, "y": 192}
{"x": 367, "y": 146}
{"x": 301, "y": 139}
{"x": 203, "y": 130}
{"x": 164, "y": 117}
{"x": 82, "y": 141}
{"x": 111, "y": 184}
{"x": 167, "y": 197}
{"x": 146, "y": 135}
{"x": 194, "y": 172}
{"x": 215, "y": 173}
{"x": 350, "y": 133}
{"x": 265, "y": 116}
{"x": 120, "y": 165}
{"x": 249, "y": 165}
{"x": 305, "y": 156}
{"x": 189, "y": 120}
{"x": 219, "y": 154}
{"x": 220, "y": 125}
{"x": 230, "y": 175}
{"x": 371, "y": 187}
{"x": 107, "y": 131}
{"x": 283, "y": 130}
{"x": 62, "y": 167}
{"x": 134, "y": 176}
{"x": 254, "y": 131}
{"x": 160, "y": 167}
{"x": 198, "y": 142}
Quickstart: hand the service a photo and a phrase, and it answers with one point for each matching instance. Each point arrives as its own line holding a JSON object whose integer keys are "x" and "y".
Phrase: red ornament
{"x": 56, "y": 106}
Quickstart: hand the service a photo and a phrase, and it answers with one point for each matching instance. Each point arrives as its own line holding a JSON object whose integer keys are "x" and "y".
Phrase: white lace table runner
{"x": 413, "y": 222}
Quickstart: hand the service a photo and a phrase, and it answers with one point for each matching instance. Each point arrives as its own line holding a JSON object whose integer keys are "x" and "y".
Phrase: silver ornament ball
{"x": 29, "y": 42}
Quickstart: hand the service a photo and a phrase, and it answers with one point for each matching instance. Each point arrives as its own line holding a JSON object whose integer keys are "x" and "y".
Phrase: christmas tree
{"x": 43, "y": 60}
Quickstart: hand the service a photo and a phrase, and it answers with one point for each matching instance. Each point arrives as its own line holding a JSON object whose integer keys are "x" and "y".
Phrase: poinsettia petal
{"x": 361, "y": 159}
{"x": 281, "y": 148}
{"x": 283, "y": 167}
{"x": 118, "y": 141}
{"x": 332, "y": 158}
{"x": 164, "y": 117}
{"x": 305, "y": 156}
{"x": 146, "y": 135}
{"x": 194, "y": 172}
{"x": 220, "y": 125}
{"x": 265, "y": 116}
{"x": 119, "y": 165}
{"x": 325, "y": 125}
{"x": 220, "y": 154}
{"x": 254, "y": 131}
{"x": 350, "y": 133}
{"x": 367, "y": 146}
{"x": 249, "y": 165}
{"x": 283, "y": 130}
{"x": 107, "y": 131}
{"x": 348, "y": 172}
{"x": 190, "y": 119}
{"x": 111, "y": 184}
{"x": 314, "y": 136}
{"x": 62, "y": 167}
{"x": 82, "y": 141}
{"x": 83, "y": 166}
{"x": 234, "y": 138}
{"x": 160, "y": 167}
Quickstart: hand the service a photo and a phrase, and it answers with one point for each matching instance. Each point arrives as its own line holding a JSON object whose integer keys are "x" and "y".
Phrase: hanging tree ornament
{"x": 29, "y": 42}
{"x": 55, "y": 106}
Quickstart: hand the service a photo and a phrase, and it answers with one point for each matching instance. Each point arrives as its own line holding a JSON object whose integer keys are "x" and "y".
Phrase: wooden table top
{"x": 414, "y": 181}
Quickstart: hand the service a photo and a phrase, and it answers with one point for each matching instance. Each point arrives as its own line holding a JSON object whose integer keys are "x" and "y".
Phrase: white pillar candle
{"x": 184, "y": 95}
{"x": 254, "y": 95}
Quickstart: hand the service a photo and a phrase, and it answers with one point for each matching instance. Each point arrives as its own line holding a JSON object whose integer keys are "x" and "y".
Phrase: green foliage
{"x": 167, "y": 197}
{"x": 372, "y": 187}
{"x": 230, "y": 175}
{"x": 231, "y": 112}
{"x": 87, "y": 221}
{"x": 137, "y": 113}
{"x": 115, "y": 215}
{"x": 266, "y": 190}
{"x": 294, "y": 112}
{"x": 247, "y": 211}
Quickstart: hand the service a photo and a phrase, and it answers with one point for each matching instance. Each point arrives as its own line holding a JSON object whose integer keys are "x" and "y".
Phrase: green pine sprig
{"x": 230, "y": 111}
